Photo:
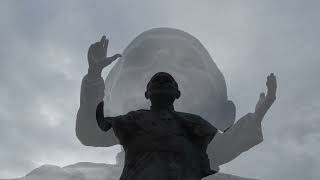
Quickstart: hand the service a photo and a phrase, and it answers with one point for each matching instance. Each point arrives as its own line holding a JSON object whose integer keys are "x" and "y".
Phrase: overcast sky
{"x": 43, "y": 59}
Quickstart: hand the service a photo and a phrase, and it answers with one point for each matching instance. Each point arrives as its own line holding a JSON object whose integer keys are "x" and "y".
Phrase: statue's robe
{"x": 162, "y": 144}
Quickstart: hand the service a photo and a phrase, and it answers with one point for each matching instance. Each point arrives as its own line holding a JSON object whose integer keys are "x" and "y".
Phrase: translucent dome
{"x": 202, "y": 85}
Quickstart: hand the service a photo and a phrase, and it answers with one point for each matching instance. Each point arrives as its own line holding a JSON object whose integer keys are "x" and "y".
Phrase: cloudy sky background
{"x": 43, "y": 59}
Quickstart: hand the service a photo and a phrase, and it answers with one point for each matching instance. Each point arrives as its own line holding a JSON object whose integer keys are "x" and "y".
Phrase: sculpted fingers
{"x": 271, "y": 79}
{"x": 103, "y": 39}
{"x": 109, "y": 60}
{"x": 114, "y": 57}
{"x": 272, "y": 83}
{"x": 93, "y": 53}
{"x": 104, "y": 43}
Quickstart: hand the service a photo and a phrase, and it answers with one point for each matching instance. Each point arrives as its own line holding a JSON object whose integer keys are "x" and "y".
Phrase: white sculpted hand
{"x": 265, "y": 102}
{"x": 97, "y": 56}
{"x": 271, "y": 85}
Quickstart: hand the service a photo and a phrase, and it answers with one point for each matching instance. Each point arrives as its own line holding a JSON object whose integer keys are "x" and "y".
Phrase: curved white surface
{"x": 202, "y": 85}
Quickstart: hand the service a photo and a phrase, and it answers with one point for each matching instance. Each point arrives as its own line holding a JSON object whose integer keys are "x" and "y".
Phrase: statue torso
{"x": 163, "y": 143}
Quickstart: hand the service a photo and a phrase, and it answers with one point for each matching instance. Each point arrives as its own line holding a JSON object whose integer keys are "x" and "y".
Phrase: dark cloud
{"x": 43, "y": 58}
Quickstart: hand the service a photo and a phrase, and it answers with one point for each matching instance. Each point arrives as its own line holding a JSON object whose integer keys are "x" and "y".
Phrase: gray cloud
{"x": 43, "y": 58}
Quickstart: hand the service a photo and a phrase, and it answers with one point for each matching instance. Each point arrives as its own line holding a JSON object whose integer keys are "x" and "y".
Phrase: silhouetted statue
{"x": 182, "y": 153}
{"x": 160, "y": 140}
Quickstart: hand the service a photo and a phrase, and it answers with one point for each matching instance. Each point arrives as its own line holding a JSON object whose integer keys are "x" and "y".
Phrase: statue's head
{"x": 162, "y": 88}
{"x": 185, "y": 60}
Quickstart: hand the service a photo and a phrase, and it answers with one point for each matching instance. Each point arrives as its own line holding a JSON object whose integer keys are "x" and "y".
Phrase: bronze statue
{"x": 160, "y": 140}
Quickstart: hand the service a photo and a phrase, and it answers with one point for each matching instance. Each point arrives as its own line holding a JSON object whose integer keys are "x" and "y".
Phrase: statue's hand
{"x": 271, "y": 85}
{"x": 265, "y": 101}
{"x": 97, "y": 56}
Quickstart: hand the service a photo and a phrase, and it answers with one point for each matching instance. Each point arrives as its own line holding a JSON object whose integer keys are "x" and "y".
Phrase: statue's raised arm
{"x": 92, "y": 93}
{"x": 246, "y": 132}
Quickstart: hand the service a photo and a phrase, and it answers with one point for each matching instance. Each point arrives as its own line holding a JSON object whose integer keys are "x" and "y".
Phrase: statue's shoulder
{"x": 193, "y": 118}
{"x": 189, "y": 116}
{"x": 138, "y": 113}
